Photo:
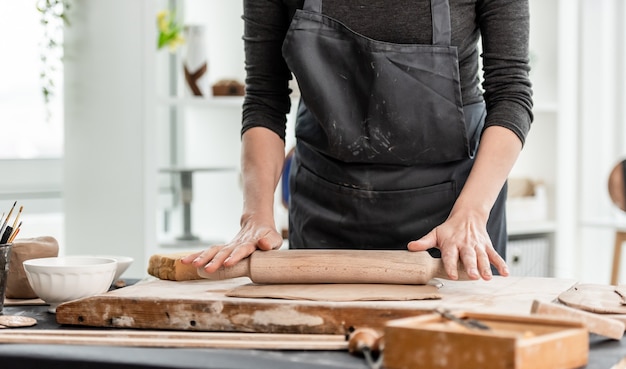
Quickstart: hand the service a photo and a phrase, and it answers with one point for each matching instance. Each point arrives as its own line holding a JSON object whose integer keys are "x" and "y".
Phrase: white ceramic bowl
{"x": 123, "y": 262}
{"x": 65, "y": 278}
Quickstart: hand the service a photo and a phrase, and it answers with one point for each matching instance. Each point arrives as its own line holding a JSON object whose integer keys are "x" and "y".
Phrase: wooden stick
{"x": 131, "y": 338}
{"x": 595, "y": 323}
{"x": 4, "y": 224}
{"x": 17, "y": 217}
{"x": 14, "y": 234}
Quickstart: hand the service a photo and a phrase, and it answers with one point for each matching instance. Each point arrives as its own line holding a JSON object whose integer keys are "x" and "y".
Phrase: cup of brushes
{"x": 9, "y": 232}
{"x": 7, "y": 235}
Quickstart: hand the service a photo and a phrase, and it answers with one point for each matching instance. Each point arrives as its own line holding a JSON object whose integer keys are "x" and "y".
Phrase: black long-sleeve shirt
{"x": 503, "y": 26}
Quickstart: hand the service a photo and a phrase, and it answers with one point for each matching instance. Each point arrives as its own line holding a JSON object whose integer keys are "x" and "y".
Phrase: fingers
{"x": 229, "y": 256}
{"x": 190, "y": 258}
{"x": 427, "y": 242}
{"x": 450, "y": 258}
{"x": 244, "y": 244}
{"x": 477, "y": 254}
{"x": 224, "y": 255}
{"x": 271, "y": 241}
{"x": 484, "y": 265}
{"x": 206, "y": 256}
{"x": 498, "y": 262}
{"x": 476, "y": 262}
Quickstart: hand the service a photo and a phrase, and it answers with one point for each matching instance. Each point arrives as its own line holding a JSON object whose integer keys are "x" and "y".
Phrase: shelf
{"x": 203, "y": 102}
{"x": 618, "y": 223}
{"x": 546, "y": 107}
{"x": 530, "y": 228}
{"x": 210, "y": 102}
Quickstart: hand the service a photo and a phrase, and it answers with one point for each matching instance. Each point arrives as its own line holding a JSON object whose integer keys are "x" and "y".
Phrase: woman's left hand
{"x": 463, "y": 237}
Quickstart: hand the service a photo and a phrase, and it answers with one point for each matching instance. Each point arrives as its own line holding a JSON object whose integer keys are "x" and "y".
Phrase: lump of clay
{"x": 25, "y": 249}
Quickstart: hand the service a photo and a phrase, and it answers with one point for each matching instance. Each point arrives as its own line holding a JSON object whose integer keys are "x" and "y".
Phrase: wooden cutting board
{"x": 202, "y": 305}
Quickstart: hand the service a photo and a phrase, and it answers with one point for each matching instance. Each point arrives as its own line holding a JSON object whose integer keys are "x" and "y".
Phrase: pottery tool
{"x": 595, "y": 323}
{"x": 336, "y": 266}
{"x": 467, "y": 323}
{"x": 368, "y": 342}
{"x": 6, "y": 235}
{"x": 134, "y": 338}
{"x": 17, "y": 217}
{"x": 4, "y": 224}
{"x": 15, "y": 232}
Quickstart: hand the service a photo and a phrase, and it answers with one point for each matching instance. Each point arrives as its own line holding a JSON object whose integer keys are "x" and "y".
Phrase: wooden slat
{"x": 596, "y": 323}
{"x": 132, "y": 338}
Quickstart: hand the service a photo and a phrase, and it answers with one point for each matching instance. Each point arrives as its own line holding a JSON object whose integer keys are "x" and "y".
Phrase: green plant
{"x": 169, "y": 31}
{"x": 53, "y": 19}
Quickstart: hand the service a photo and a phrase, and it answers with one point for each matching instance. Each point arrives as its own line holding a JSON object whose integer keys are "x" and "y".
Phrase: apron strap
{"x": 442, "y": 28}
{"x": 314, "y": 6}
{"x": 440, "y": 10}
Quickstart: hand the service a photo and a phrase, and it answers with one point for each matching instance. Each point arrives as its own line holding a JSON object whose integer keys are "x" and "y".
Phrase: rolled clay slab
{"x": 595, "y": 298}
{"x": 14, "y": 321}
{"x": 338, "y": 292}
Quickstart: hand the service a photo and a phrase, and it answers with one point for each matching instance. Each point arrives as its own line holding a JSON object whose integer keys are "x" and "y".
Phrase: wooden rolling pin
{"x": 335, "y": 266}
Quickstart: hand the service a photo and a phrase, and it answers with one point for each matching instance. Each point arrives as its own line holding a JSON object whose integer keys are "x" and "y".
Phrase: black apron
{"x": 384, "y": 143}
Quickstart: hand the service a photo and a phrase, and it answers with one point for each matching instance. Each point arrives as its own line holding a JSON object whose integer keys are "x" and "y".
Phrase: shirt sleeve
{"x": 504, "y": 27}
{"x": 267, "y": 101}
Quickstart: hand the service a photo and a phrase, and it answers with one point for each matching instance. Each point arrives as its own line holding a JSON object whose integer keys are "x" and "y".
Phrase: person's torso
{"x": 409, "y": 22}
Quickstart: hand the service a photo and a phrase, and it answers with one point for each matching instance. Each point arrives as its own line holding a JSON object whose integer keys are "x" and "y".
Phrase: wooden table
{"x": 504, "y": 295}
{"x": 603, "y": 354}
{"x": 202, "y": 305}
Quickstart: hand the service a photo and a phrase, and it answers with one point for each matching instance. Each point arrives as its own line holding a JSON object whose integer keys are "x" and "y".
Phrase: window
{"x": 28, "y": 127}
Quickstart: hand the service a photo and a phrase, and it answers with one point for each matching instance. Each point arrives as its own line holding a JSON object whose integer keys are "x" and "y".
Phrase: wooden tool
{"x": 335, "y": 266}
{"x": 134, "y": 338}
{"x": 595, "y": 323}
{"x": 369, "y": 343}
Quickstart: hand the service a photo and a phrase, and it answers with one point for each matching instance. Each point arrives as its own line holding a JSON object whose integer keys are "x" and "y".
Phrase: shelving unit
{"x": 200, "y": 132}
{"x": 550, "y": 143}
{"x": 202, "y": 102}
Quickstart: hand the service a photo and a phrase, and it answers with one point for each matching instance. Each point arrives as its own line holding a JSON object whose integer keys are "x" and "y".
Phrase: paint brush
{"x": 15, "y": 232}
{"x": 5, "y": 236}
{"x": 17, "y": 217}
{"x": 4, "y": 225}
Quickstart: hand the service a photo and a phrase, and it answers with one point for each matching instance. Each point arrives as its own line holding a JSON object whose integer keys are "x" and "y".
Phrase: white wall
{"x": 109, "y": 142}
{"x": 601, "y": 129}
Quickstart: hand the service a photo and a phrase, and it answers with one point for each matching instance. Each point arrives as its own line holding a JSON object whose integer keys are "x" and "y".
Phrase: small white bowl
{"x": 65, "y": 278}
{"x": 123, "y": 262}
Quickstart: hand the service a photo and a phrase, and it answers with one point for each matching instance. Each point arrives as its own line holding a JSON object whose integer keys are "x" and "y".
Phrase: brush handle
{"x": 335, "y": 266}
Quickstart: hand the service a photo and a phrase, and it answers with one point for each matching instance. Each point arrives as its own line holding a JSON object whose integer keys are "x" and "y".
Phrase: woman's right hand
{"x": 254, "y": 234}
{"x": 263, "y": 157}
